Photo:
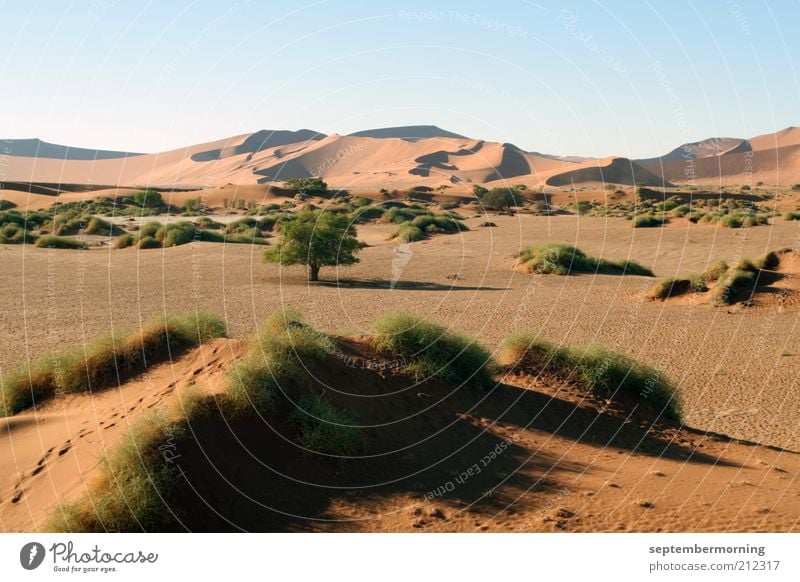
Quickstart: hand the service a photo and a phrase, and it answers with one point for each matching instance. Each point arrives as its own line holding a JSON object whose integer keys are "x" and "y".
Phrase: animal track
{"x": 65, "y": 449}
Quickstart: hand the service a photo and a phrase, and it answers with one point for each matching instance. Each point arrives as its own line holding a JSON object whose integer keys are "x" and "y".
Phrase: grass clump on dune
{"x": 50, "y": 241}
{"x": 135, "y": 479}
{"x": 602, "y": 371}
{"x": 277, "y": 358}
{"x": 791, "y": 216}
{"x": 275, "y": 365}
{"x": 735, "y": 281}
{"x": 564, "y": 259}
{"x": 432, "y": 351}
{"x": 103, "y": 363}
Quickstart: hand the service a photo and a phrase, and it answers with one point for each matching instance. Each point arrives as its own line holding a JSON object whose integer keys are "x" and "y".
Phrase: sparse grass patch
{"x": 102, "y": 363}
{"x": 602, "y": 371}
{"x": 432, "y": 351}
{"x": 564, "y": 259}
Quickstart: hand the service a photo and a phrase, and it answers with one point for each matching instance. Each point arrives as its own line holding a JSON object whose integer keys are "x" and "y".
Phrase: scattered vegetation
{"x": 602, "y": 371}
{"x": 429, "y": 350}
{"x": 564, "y": 259}
{"x": 102, "y": 364}
{"x": 725, "y": 281}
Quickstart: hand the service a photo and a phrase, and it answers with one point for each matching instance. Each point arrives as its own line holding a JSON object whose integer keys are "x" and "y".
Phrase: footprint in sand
{"x": 17, "y": 496}
{"x": 65, "y": 449}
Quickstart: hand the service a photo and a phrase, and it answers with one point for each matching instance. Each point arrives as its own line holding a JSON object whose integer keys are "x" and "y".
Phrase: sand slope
{"x": 534, "y": 454}
{"x": 54, "y": 453}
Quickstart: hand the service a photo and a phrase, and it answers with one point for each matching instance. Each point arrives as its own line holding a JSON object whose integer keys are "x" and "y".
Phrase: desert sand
{"x": 391, "y": 159}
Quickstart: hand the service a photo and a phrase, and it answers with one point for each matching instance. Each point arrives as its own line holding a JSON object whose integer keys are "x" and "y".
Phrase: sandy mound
{"x": 534, "y": 454}
{"x": 53, "y": 453}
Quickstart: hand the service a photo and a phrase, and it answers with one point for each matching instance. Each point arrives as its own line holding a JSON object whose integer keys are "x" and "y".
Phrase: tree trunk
{"x": 313, "y": 272}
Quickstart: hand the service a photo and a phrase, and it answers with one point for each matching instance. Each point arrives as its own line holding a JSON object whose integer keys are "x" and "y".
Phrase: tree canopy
{"x": 316, "y": 239}
{"x": 312, "y": 185}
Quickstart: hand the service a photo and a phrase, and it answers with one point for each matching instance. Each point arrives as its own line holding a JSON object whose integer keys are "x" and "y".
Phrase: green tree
{"x": 149, "y": 199}
{"x": 479, "y": 190}
{"x": 315, "y": 239}
{"x": 311, "y": 185}
{"x": 500, "y": 198}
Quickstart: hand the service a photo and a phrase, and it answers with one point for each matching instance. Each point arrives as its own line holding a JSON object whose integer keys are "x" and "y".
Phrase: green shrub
{"x": 563, "y": 259}
{"x": 432, "y": 351}
{"x": 791, "y": 216}
{"x": 602, "y": 371}
{"x": 125, "y": 241}
{"x": 6, "y": 204}
{"x": 102, "y": 227}
{"x": 59, "y": 242}
{"x": 409, "y": 233}
{"x": 149, "y": 199}
{"x": 149, "y": 230}
{"x": 148, "y": 242}
{"x": 649, "y": 220}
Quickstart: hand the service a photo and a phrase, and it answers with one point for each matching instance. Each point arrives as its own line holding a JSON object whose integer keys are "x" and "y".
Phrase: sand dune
{"x": 558, "y": 459}
{"x": 398, "y": 158}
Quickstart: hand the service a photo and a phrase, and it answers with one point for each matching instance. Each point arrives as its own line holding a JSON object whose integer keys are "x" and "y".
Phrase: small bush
{"x": 148, "y": 242}
{"x": 649, "y": 220}
{"x": 735, "y": 281}
{"x": 791, "y": 216}
{"x": 716, "y": 271}
{"x": 600, "y": 370}
{"x": 102, "y": 227}
{"x": 432, "y": 351}
{"x": 563, "y": 259}
{"x": 125, "y": 241}
{"x": 50, "y": 241}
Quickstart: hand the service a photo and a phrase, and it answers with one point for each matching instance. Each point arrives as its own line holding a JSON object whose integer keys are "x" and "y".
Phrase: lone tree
{"x": 149, "y": 199}
{"x": 316, "y": 239}
{"x": 312, "y": 185}
{"x": 500, "y": 198}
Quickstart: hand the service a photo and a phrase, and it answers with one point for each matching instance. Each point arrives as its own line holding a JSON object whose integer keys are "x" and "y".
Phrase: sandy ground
{"x": 736, "y": 368}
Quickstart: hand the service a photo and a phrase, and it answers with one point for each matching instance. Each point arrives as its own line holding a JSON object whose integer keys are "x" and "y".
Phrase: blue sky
{"x": 582, "y": 78}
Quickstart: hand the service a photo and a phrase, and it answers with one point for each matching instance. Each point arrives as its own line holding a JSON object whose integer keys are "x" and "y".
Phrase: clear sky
{"x": 631, "y": 78}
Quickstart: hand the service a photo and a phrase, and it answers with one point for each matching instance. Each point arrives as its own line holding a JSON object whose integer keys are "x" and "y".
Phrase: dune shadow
{"x": 423, "y": 442}
{"x": 402, "y": 285}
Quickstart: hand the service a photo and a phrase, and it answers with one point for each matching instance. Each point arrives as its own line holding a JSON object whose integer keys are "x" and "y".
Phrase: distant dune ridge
{"x": 397, "y": 158}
